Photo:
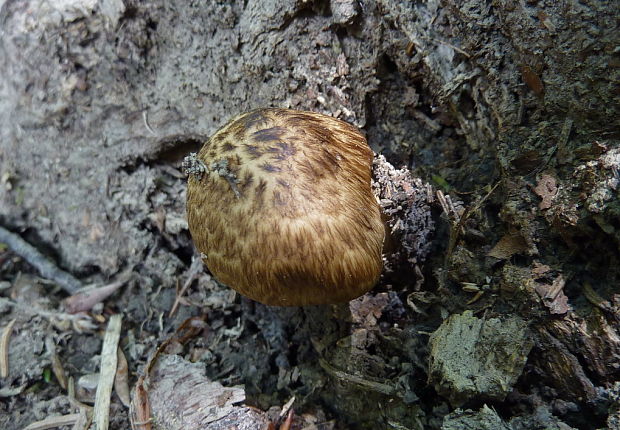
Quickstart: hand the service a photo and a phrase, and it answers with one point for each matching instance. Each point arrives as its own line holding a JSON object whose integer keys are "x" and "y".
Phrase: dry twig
{"x": 359, "y": 381}
{"x": 46, "y": 268}
{"x": 286, "y": 425}
{"x": 192, "y": 273}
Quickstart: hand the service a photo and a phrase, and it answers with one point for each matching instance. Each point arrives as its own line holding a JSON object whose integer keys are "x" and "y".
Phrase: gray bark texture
{"x": 509, "y": 108}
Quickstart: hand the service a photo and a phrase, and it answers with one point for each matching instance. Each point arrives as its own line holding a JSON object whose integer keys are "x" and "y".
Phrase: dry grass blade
{"x": 83, "y": 421}
{"x": 109, "y": 360}
{"x": 192, "y": 273}
{"x": 52, "y": 422}
{"x": 593, "y": 296}
{"x": 12, "y": 391}
{"x": 4, "y": 349}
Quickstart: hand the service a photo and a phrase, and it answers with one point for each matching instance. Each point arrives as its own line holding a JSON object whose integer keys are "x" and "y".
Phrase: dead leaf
{"x": 546, "y": 189}
{"x": 533, "y": 81}
{"x": 368, "y": 309}
{"x": 553, "y": 296}
{"x": 121, "y": 380}
{"x": 85, "y": 299}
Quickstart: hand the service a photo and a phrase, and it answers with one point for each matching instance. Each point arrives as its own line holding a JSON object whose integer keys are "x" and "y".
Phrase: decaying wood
{"x": 405, "y": 201}
{"x": 182, "y": 397}
{"x": 140, "y": 407}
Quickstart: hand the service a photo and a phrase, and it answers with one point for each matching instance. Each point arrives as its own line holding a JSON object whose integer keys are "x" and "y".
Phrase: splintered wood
{"x": 182, "y": 397}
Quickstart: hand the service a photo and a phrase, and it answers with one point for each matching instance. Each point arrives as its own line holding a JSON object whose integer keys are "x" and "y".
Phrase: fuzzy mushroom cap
{"x": 283, "y": 209}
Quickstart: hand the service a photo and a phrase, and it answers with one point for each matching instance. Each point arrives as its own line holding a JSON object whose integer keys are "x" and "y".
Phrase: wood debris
{"x": 107, "y": 373}
{"x": 182, "y": 397}
{"x": 553, "y": 296}
{"x": 546, "y": 189}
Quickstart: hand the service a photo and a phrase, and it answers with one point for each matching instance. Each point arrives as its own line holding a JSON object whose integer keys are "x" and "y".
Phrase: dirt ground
{"x": 507, "y": 315}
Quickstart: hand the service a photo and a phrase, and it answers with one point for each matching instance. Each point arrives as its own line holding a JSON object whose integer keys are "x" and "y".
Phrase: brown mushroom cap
{"x": 284, "y": 210}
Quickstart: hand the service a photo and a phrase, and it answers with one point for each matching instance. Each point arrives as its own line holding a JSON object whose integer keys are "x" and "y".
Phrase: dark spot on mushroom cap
{"x": 269, "y": 167}
{"x": 227, "y": 147}
{"x": 247, "y": 180}
{"x": 253, "y": 150}
{"x": 268, "y": 134}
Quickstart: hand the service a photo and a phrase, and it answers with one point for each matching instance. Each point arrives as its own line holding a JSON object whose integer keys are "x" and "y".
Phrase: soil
{"x": 505, "y": 113}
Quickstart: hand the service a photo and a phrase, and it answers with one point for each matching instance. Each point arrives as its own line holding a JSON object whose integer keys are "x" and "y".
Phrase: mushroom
{"x": 279, "y": 203}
